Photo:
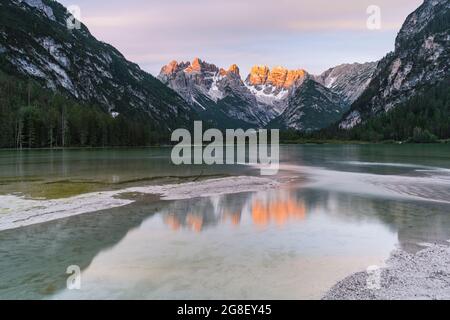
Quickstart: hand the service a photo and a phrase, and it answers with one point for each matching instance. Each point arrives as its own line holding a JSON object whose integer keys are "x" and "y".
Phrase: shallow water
{"x": 54, "y": 174}
{"x": 344, "y": 209}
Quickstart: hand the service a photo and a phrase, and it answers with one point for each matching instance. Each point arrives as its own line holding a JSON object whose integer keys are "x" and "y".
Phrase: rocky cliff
{"x": 35, "y": 43}
{"x": 421, "y": 60}
{"x": 216, "y": 93}
{"x": 348, "y": 80}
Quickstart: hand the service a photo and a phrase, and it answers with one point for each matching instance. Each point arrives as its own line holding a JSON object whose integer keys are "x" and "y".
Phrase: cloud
{"x": 246, "y": 15}
{"x": 153, "y": 32}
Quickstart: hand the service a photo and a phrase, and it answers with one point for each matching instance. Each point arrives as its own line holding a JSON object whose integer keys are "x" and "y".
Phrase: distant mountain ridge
{"x": 217, "y": 94}
{"x": 268, "y": 97}
{"x": 348, "y": 80}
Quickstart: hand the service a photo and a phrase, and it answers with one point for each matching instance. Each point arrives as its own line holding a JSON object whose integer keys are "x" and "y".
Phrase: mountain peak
{"x": 234, "y": 69}
{"x": 198, "y": 66}
{"x": 279, "y": 77}
{"x": 258, "y": 75}
{"x": 419, "y": 19}
{"x": 170, "y": 68}
{"x": 284, "y": 78}
{"x": 195, "y": 66}
{"x": 217, "y": 93}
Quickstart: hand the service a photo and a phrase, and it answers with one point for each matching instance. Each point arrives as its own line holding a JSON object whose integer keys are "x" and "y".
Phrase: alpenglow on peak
{"x": 279, "y": 77}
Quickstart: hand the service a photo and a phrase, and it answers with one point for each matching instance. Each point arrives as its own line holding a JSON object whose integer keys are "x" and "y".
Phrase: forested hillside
{"x": 32, "y": 117}
{"x": 63, "y": 87}
{"x": 423, "y": 118}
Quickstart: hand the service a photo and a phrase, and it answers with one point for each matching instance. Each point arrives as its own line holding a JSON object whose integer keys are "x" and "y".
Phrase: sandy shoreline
{"x": 421, "y": 276}
{"x": 16, "y": 212}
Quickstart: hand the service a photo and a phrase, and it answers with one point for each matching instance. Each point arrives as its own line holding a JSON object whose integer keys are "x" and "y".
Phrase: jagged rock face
{"x": 348, "y": 80}
{"x": 311, "y": 106}
{"x": 278, "y": 77}
{"x": 280, "y": 98}
{"x": 216, "y": 93}
{"x": 421, "y": 59}
{"x": 282, "y": 78}
{"x": 191, "y": 79}
{"x": 233, "y": 69}
{"x": 417, "y": 21}
{"x": 258, "y": 75}
{"x": 272, "y": 87}
{"x": 170, "y": 68}
{"x": 36, "y": 43}
{"x": 263, "y": 97}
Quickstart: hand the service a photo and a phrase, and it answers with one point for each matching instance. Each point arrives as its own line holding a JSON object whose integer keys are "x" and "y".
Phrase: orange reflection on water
{"x": 173, "y": 222}
{"x": 279, "y": 210}
{"x": 191, "y": 221}
{"x": 194, "y": 222}
{"x": 233, "y": 217}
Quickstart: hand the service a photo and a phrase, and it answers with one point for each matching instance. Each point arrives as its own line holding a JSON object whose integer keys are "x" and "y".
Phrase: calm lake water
{"x": 343, "y": 209}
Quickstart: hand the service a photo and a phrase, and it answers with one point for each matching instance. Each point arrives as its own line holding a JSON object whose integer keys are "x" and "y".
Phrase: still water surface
{"x": 345, "y": 208}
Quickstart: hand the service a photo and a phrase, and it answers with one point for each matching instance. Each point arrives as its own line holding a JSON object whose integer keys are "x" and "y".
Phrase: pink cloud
{"x": 153, "y": 32}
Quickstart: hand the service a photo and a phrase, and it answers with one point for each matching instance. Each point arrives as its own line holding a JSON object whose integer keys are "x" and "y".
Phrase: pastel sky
{"x": 309, "y": 34}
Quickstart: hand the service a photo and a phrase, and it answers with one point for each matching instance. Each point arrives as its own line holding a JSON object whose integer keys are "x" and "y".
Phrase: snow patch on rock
{"x": 214, "y": 92}
{"x": 38, "y": 4}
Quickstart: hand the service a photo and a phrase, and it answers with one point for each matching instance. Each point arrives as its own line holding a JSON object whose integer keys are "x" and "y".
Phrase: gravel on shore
{"x": 421, "y": 276}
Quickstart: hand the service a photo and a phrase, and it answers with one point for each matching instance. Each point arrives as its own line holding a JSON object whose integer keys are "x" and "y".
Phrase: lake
{"x": 337, "y": 210}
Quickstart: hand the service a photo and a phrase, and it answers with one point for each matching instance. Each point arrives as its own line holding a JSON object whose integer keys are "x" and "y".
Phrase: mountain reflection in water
{"x": 278, "y": 207}
{"x": 293, "y": 242}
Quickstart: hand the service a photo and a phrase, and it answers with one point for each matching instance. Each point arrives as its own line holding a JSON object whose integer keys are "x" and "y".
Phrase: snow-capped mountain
{"x": 272, "y": 87}
{"x": 421, "y": 60}
{"x": 193, "y": 79}
{"x": 35, "y": 43}
{"x": 278, "y": 98}
{"x": 348, "y": 80}
{"x": 306, "y": 102}
{"x": 217, "y": 94}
